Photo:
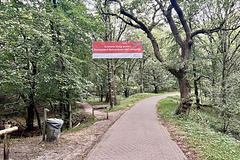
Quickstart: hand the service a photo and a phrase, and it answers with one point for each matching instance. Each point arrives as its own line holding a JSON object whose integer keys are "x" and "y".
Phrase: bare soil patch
{"x": 76, "y": 145}
{"x": 71, "y": 145}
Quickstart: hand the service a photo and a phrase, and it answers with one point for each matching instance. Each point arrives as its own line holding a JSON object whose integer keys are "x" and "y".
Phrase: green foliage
{"x": 198, "y": 134}
{"x": 223, "y": 66}
{"x": 133, "y": 99}
{"x": 44, "y": 50}
{"x": 157, "y": 78}
{"x": 226, "y": 100}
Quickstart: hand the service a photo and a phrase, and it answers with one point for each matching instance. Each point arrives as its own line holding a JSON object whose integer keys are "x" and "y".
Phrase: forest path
{"x": 138, "y": 135}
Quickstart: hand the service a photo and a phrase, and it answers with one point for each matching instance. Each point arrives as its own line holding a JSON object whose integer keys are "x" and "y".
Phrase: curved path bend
{"x": 138, "y": 135}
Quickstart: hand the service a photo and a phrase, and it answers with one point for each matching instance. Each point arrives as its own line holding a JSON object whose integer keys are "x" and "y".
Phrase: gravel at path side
{"x": 138, "y": 135}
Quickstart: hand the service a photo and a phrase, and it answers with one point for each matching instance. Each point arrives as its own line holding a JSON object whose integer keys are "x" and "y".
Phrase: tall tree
{"x": 113, "y": 31}
{"x": 71, "y": 25}
{"x": 133, "y": 15}
{"x": 44, "y": 51}
{"x": 226, "y": 49}
{"x": 24, "y": 46}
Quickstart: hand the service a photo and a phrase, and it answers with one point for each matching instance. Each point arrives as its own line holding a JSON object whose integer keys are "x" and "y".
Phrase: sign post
{"x": 44, "y": 122}
{"x": 111, "y": 50}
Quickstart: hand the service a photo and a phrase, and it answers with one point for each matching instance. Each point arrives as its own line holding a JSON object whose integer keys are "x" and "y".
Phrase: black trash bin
{"x": 54, "y": 126}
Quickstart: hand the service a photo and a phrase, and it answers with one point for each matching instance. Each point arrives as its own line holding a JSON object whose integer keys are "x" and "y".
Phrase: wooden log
{"x": 9, "y": 130}
{"x": 99, "y": 107}
{"x": 77, "y": 125}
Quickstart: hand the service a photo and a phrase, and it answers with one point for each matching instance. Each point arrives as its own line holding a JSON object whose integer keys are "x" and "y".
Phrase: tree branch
{"x": 204, "y": 31}
{"x": 182, "y": 19}
{"x": 203, "y": 76}
{"x": 142, "y": 26}
{"x": 168, "y": 14}
{"x": 119, "y": 65}
{"x": 125, "y": 21}
{"x": 153, "y": 24}
{"x": 105, "y": 69}
{"x": 235, "y": 36}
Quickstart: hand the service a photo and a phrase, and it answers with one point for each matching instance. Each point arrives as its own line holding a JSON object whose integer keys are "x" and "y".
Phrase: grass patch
{"x": 82, "y": 125}
{"x": 132, "y": 100}
{"x": 199, "y": 135}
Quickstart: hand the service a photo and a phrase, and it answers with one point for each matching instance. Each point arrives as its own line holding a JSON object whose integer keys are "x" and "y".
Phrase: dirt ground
{"x": 76, "y": 145}
{"x": 71, "y": 145}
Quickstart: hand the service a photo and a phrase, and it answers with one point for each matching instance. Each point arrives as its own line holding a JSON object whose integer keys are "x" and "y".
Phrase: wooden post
{"x": 44, "y": 123}
{"x": 70, "y": 115}
{"x": 6, "y": 134}
{"x": 93, "y": 112}
{"x": 97, "y": 108}
{"x": 6, "y": 143}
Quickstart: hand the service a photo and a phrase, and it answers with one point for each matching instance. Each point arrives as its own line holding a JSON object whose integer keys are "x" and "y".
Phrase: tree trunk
{"x": 38, "y": 119}
{"x": 114, "y": 92}
{"x": 70, "y": 115}
{"x": 195, "y": 79}
{"x": 214, "y": 81}
{"x": 185, "y": 90}
{"x": 125, "y": 83}
{"x": 69, "y": 111}
{"x": 141, "y": 77}
{"x": 107, "y": 97}
{"x": 126, "y": 93}
{"x": 196, "y": 88}
{"x": 30, "y": 112}
{"x": 155, "y": 82}
{"x": 196, "y": 94}
{"x": 110, "y": 84}
{"x": 223, "y": 83}
{"x": 101, "y": 93}
{"x": 31, "y": 106}
{"x": 214, "y": 71}
{"x": 62, "y": 110}
{"x": 156, "y": 89}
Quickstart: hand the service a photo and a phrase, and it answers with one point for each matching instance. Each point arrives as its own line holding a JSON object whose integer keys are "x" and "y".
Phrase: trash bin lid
{"x": 55, "y": 123}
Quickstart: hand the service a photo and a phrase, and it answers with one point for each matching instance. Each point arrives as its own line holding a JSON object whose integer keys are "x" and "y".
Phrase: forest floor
{"x": 73, "y": 145}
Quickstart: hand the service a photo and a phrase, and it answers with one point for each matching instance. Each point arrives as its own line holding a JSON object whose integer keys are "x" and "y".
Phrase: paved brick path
{"x": 137, "y": 135}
